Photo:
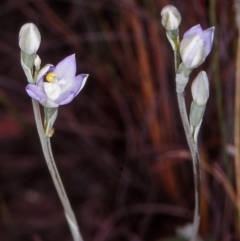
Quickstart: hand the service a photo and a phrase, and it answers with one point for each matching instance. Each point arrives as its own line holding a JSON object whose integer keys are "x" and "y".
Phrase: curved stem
{"x": 173, "y": 37}
{"x": 47, "y": 151}
{"x": 196, "y": 164}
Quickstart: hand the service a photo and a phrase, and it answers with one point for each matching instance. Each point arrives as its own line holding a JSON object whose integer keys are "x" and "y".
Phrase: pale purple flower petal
{"x": 85, "y": 76}
{"x": 65, "y": 98}
{"x": 66, "y": 69}
{"x": 79, "y": 83}
{"x": 36, "y": 92}
{"x": 193, "y": 31}
{"x": 208, "y": 39}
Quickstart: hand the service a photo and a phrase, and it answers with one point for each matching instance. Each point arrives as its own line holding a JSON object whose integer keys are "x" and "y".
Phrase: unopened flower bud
{"x": 171, "y": 18}
{"x": 200, "y": 89}
{"x": 195, "y": 46}
{"x": 29, "y": 38}
{"x": 37, "y": 63}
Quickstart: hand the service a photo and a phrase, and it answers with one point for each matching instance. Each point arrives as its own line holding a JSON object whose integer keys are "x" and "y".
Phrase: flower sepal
{"x": 184, "y": 71}
{"x": 181, "y": 82}
{"x": 196, "y": 114}
{"x": 195, "y": 131}
{"x": 182, "y": 78}
{"x": 27, "y": 63}
{"x": 173, "y": 38}
{"x": 50, "y": 115}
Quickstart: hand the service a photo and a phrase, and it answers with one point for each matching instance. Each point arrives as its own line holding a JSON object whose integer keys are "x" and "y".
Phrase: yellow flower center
{"x": 51, "y": 77}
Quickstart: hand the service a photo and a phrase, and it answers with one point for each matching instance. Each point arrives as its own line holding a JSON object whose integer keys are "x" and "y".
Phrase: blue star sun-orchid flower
{"x": 195, "y": 46}
{"x": 57, "y": 85}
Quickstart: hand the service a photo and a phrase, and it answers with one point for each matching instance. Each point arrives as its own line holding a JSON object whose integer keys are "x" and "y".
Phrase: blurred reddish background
{"x": 120, "y": 145}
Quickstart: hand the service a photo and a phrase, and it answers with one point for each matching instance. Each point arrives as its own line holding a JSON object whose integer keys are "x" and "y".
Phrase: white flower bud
{"x": 171, "y": 18}
{"x": 200, "y": 88}
{"x": 29, "y": 38}
{"x": 192, "y": 52}
{"x": 37, "y": 63}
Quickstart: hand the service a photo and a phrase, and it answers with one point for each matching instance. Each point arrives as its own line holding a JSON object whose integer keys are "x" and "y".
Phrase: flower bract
{"x": 57, "y": 85}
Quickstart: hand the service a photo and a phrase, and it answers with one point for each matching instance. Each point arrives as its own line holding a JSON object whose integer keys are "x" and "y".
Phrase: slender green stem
{"x": 176, "y": 54}
{"x": 47, "y": 151}
{"x": 176, "y": 59}
{"x": 173, "y": 38}
{"x": 182, "y": 74}
{"x": 196, "y": 164}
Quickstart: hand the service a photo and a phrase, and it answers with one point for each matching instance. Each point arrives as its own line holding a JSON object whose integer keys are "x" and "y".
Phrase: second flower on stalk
{"x": 195, "y": 46}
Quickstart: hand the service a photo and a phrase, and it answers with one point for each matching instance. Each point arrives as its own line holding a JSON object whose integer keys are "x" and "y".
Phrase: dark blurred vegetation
{"x": 120, "y": 145}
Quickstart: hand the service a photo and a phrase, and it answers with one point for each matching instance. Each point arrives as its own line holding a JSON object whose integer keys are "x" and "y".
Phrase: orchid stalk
{"x": 193, "y": 49}
{"x": 50, "y": 86}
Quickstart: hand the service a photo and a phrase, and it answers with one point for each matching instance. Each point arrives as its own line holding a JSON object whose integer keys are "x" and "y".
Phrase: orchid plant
{"x": 189, "y": 53}
{"x": 51, "y": 86}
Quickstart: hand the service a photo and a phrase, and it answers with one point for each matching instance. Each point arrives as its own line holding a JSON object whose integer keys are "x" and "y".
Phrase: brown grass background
{"x": 119, "y": 146}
